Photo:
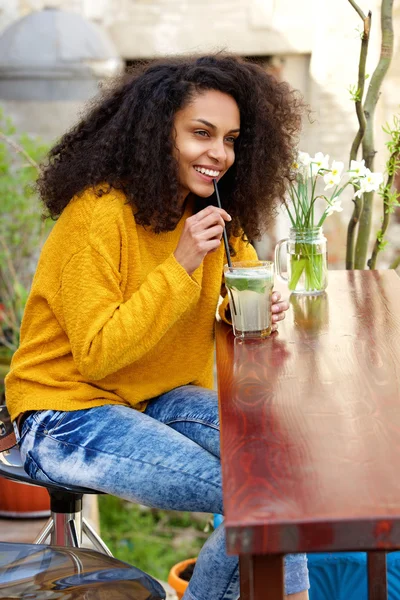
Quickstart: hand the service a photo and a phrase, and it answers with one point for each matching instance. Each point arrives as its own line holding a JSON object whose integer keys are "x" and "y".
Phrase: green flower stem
{"x": 296, "y": 201}
{"x": 297, "y": 266}
{"x": 307, "y": 261}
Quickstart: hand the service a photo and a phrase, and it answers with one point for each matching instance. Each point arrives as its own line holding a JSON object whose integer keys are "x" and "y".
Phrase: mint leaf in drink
{"x": 239, "y": 283}
{"x": 257, "y": 285}
{"x": 252, "y": 284}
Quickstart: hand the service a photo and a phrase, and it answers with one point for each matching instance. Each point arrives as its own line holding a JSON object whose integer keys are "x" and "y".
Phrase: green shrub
{"x": 22, "y": 230}
{"x": 152, "y": 540}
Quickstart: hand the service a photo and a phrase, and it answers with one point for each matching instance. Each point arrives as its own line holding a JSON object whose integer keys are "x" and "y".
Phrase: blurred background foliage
{"x": 22, "y": 229}
{"x": 151, "y": 539}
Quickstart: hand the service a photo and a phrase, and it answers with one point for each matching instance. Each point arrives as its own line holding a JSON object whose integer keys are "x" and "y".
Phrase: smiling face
{"x": 206, "y": 130}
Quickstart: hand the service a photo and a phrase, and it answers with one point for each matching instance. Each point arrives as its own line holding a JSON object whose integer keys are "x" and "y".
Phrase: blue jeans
{"x": 166, "y": 457}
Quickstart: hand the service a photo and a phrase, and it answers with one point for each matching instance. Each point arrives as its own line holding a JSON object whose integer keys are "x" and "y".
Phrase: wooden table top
{"x": 310, "y": 423}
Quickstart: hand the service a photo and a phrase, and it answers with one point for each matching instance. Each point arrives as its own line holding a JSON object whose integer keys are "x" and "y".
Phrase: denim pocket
{"x": 46, "y": 420}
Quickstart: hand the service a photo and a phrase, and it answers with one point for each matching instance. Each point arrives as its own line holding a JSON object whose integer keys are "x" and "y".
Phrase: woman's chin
{"x": 202, "y": 191}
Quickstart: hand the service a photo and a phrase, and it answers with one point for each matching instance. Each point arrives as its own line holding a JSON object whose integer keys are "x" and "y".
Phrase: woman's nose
{"x": 218, "y": 151}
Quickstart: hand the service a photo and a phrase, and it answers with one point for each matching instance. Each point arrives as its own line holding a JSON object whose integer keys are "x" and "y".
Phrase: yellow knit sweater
{"x": 112, "y": 317}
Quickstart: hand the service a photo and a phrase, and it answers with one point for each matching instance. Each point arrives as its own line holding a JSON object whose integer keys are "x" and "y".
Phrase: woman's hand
{"x": 201, "y": 234}
{"x": 278, "y": 309}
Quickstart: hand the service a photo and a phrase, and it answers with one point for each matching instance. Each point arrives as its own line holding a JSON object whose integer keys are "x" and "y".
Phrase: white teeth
{"x": 207, "y": 172}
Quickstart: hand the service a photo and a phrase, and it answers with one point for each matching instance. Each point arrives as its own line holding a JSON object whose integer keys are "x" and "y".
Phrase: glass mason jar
{"x": 307, "y": 267}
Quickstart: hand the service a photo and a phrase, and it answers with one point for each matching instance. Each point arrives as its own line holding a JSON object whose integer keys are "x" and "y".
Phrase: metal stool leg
{"x": 73, "y": 534}
{"x": 45, "y": 532}
{"x": 67, "y": 529}
{"x": 66, "y": 524}
{"x": 95, "y": 538}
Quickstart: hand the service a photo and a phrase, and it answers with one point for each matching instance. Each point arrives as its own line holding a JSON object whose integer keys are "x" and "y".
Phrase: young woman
{"x": 113, "y": 376}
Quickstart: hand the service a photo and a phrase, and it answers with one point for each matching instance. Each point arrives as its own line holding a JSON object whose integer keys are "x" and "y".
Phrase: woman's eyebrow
{"x": 213, "y": 127}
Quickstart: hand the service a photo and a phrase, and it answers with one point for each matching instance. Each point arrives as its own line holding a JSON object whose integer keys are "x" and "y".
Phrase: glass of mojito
{"x": 249, "y": 285}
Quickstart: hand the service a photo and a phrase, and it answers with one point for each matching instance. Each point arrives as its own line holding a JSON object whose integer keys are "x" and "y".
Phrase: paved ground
{"x": 20, "y": 530}
{"x": 25, "y": 530}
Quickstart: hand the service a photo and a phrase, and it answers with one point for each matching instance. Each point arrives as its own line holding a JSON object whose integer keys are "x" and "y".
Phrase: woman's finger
{"x": 209, "y": 210}
{"x": 208, "y": 221}
{"x": 280, "y": 306}
{"x": 278, "y": 317}
{"x": 212, "y": 232}
{"x": 276, "y": 296}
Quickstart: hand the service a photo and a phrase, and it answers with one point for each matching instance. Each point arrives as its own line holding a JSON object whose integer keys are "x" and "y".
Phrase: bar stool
{"x": 37, "y": 571}
{"x": 66, "y": 523}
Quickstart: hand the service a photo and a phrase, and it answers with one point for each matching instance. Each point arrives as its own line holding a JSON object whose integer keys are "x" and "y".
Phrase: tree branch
{"x": 20, "y": 150}
{"x": 385, "y": 224}
{"x": 395, "y": 263}
{"x": 360, "y": 88}
{"x": 358, "y": 9}
{"x": 351, "y": 232}
{"x": 358, "y": 202}
{"x": 364, "y": 230}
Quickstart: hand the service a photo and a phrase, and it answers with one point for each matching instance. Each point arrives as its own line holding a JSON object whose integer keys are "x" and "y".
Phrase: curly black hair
{"x": 126, "y": 140}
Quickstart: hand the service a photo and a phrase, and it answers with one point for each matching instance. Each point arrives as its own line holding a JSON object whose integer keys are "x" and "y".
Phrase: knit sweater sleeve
{"x": 244, "y": 251}
{"x": 107, "y": 333}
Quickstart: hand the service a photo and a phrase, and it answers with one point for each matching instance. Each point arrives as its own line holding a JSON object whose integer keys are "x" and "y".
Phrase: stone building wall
{"x": 316, "y": 41}
{"x": 148, "y": 28}
{"x": 333, "y": 69}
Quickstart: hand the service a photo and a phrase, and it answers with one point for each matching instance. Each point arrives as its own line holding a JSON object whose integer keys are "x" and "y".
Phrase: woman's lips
{"x": 207, "y": 178}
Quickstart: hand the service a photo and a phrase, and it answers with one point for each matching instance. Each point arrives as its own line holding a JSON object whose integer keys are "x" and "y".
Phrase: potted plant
{"x": 180, "y": 574}
{"x": 306, "y": 246}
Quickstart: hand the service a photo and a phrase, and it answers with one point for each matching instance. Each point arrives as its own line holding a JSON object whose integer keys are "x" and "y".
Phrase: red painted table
{"x": 310, "y": 432}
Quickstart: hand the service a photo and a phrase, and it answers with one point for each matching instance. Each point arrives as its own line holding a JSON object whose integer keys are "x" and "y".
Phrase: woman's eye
{"x": 231, "y": 139}
{"x": 202, "y": 133}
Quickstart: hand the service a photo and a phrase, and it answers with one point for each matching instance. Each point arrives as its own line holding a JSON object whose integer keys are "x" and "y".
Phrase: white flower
{"x": 334, "y": 176}
{"x": 358, "y": 168}
{"x": 301, "y": 165}
{"x": 303, "y": 158}
{"x": 337, "y": 168}
{"x": 336, "y": 206}
{"x": 320, "y": 161}
{"x": 330, "y": 181}
{"x": 369, "y": 182}
{"x": 362, "y": 189}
